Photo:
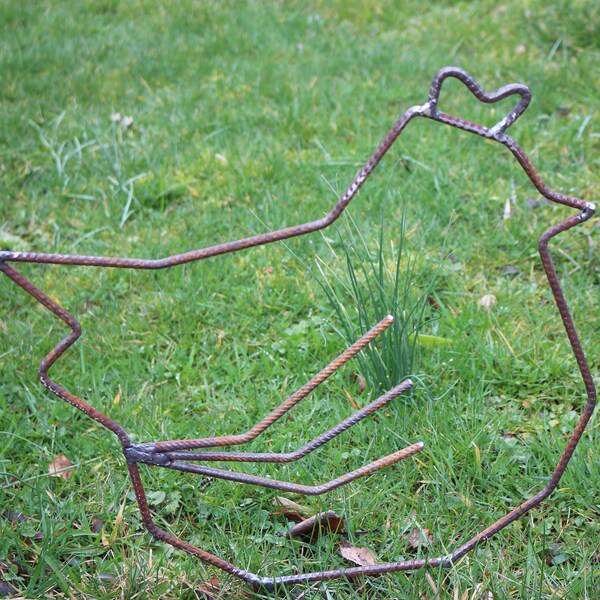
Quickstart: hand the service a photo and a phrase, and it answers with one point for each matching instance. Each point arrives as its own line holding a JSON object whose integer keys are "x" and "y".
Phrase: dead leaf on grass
{"x": 104, "y": 539}
{"x": 352, "y": 401}
{"x": 362, "y": 385}
{"x": 292, "y": 510}
{"x": 358, "y": 555}
{"x": 310, "y": 528}
{"x": 96, "y": 525}
{"x": 432, "y": 585}
{"x": 418, "y": 537}
{"x": 13, "y": 517}
{"x": 59, "y": 467}
{"x": 433, "y": 302}
{"x": 22, "y": 569}
{"x": 6, "y": 590}
{"x": 209, "y": 589}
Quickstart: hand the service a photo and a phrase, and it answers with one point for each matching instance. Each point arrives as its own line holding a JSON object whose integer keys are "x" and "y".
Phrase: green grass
{"x": 250, "y": 113}
{"x": 363, "y": 284}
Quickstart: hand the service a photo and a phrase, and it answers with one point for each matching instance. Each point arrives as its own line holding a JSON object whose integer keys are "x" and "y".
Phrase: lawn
{"x": 147, "y": 129}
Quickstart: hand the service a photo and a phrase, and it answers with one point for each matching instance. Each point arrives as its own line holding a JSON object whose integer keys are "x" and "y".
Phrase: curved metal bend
{"x": 170, "y": 454}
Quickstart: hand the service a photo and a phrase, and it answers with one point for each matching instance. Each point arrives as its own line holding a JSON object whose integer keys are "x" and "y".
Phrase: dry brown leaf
{"x": 59, "y": 467}
{"x": 13, "y": 517}
{"x": 310, "y": 528}
{"x": 431, "y": 583}
{"x": 209, "y": 589}
{"x": 21, "y": 567}
{"x": 104, "y": 539}
{"x": 290, "y": 515}
{"x": 362, "y": 385}
{"x": 6, "y": 589}
{"x": 292, "y": 507}
{"x": 433, "y": 302}
{"x": 96, "y": 525}
{"x": 352, "y": 401}
{"x": 418, "y": 537}
{"x": 358, "y": 555}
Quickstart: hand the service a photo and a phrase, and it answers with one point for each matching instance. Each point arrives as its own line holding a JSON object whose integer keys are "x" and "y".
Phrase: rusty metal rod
{"x": 59, "y": 350}
{"x": 286, "y": 457}
{"x": 284, "y": 407}
{"x": 296, "y": 488}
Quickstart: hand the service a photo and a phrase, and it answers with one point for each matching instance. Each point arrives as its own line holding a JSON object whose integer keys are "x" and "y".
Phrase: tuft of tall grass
{"x": 363, "y": 283}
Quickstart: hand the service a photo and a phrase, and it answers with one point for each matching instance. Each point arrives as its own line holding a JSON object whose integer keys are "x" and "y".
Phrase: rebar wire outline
{"x": 155, "y": 454}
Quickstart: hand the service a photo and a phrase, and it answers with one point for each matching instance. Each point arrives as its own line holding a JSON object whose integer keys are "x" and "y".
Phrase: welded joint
{"x": 429, "y": 109}
{"x": 138, "y": 454}
{"x": 588, "y": 211}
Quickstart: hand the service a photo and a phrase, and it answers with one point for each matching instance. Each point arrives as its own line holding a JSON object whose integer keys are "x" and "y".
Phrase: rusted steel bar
{"x": 59, "y": 350}
{"x": 296, "y": 488}
{"x": 284, "y": 407}
{"x": 175, "y": 454}
{"x": 286, "y": 457}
